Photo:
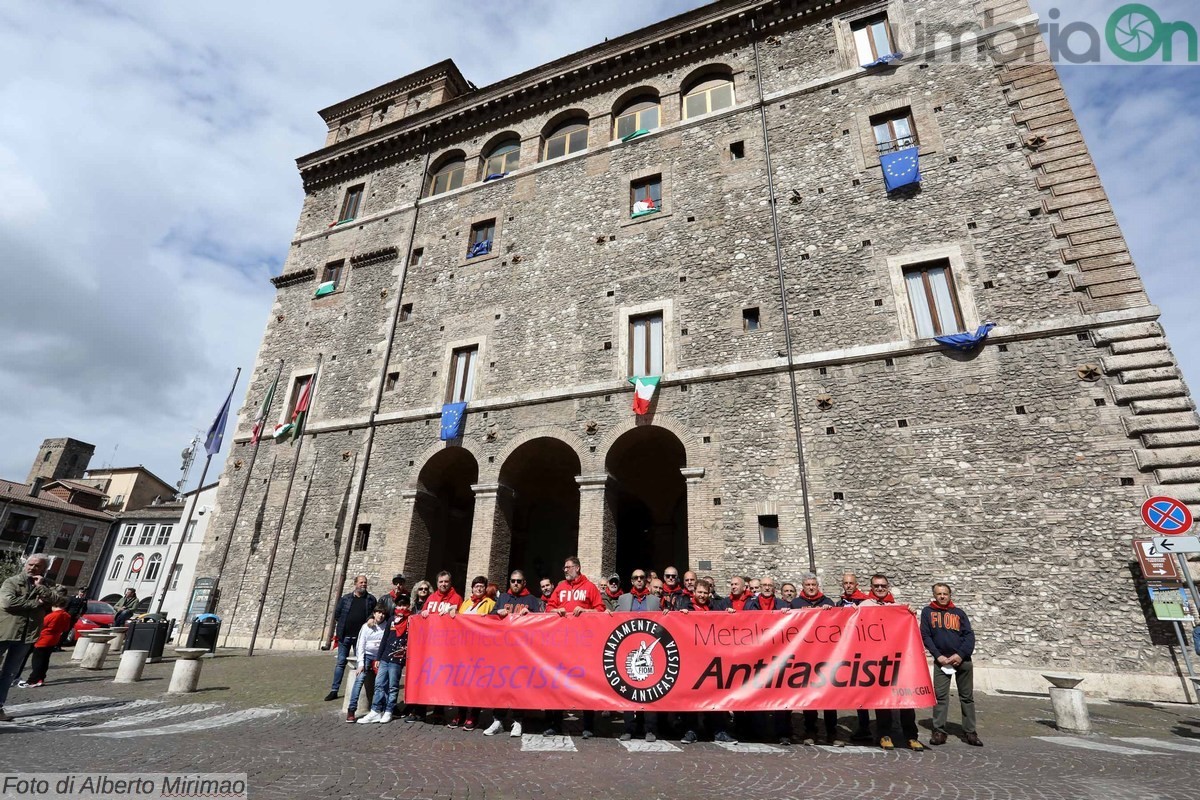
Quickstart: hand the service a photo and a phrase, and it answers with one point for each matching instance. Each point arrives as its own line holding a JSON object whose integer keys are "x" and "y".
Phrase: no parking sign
{"x": 1167, "y": 516}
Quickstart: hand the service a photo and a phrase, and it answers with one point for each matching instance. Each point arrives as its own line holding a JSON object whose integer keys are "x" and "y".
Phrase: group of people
{"x": 33, "y": 618}
{"x": 376, "y": 632}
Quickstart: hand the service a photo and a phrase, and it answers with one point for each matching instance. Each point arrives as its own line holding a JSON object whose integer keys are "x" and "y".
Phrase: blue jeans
{"x": 13, "y": 653}
{"x": 367, "y": 676}
{"x": 387, "y": 687}
{"x": 345, "y": 648}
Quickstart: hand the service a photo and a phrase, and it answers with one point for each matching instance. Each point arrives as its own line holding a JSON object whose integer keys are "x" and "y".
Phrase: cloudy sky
{"x": 148, "y": 190}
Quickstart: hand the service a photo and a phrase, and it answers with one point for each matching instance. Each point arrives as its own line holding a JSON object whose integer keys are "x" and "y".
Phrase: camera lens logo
{"x": 641, "y": 660}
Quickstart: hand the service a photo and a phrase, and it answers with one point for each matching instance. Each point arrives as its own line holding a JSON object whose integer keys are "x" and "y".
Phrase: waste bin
{"x": 149, "y": 635}
{"x": 204, "y": 632}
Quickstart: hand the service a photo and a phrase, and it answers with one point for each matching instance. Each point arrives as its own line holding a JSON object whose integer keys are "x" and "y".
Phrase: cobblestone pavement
{"x": 264, "y": 716}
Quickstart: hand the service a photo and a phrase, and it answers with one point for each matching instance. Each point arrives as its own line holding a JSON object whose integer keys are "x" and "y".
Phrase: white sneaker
{"x": 516, "y": 730}
{"x": 494, "y": 728}
{"x": 387, "y": 717}
{"x": 372, "y": 717}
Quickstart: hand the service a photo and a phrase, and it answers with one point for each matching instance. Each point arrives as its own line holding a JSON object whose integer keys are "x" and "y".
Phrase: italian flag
{"x": 328, "y": 287}
{"x": 643, "y": 392}
{"x": 296, "y": 425}
{"x": 264, "y": 409}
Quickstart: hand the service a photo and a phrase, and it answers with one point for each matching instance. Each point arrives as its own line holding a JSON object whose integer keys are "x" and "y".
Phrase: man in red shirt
{"x": 738, "y": 595}
{"x": 574, "y": 595}
{"x": 445, "y": 600}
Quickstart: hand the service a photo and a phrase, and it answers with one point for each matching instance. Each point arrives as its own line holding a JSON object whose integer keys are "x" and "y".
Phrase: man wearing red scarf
{"x": 948, "y": 637}
{"x": 517, "y": 602}
{"x": 811, "y": 597}
{"x": 445, "y": 600}
{"x": 611, "y": 592}
{"x": 715, "y": 721}
{"x": 673, "y": 597}
{"x": 574, "y": 595}
{"x": 765, "y": 600}
{"x": 853, "y": 596}
{"x": 881, "y": 595}
{"x": 738, "y": 595}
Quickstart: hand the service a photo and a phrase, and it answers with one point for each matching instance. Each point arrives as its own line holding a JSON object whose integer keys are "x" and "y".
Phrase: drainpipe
{"x": 343, "y": 564}
{"x": 787, "y": 327}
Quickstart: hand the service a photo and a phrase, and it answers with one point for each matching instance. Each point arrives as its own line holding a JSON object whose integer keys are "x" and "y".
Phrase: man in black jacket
{"x": 517, "y": 602}
{"x": 350, "y": 614}
{"x": 948, "y": 637}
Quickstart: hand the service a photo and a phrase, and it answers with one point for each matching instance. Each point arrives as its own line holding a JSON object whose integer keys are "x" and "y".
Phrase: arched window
{"x": 640, "y": 115}
{"x": 449, "y": 176}
{"x": 710, "y": 94}
{"x": 570, "y": 137}
{"x": 116, "y": 570}
{"x": 153, "y": 566}
{"x": 504, "y": 157}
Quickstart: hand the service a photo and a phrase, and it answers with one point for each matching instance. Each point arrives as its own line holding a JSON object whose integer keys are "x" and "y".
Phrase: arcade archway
{"x": 440, "y": 536}
{"x": 544, "y": 511}
{"x": 650, "y": 498}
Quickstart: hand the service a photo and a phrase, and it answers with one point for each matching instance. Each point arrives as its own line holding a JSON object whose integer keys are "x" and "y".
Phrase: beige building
{"x": 705, "y": 201}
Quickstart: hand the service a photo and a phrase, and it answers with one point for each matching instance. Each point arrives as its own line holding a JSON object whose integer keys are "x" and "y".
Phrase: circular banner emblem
{"x": 641, "y": 660}
{"x": 138, "y": 561}
{"x": 1166, "y": 515}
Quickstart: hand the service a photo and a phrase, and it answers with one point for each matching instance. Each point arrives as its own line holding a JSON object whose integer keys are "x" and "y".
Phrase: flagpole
{"x": 335, "y": 581}
{"x": 219, "y": 428}
{"x": 237, "y": 598}
{"x": 214, "y": 597}
{"x": 287, "y": 578}
{"x": 298, "y": 439}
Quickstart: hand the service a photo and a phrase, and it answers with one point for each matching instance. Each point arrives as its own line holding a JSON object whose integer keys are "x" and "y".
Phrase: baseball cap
{"x": 614, "y": 577}
{"x": 398, "y": 579}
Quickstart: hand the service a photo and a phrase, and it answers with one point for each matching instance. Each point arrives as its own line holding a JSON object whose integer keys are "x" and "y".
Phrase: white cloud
{"x": 148, "y": 190}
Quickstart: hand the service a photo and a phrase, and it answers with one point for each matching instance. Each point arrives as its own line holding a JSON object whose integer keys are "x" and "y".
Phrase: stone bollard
{"x": 131, "y": 666}
{"x": 81, "y": 646}
{"x": 186, "y": 675}
{"x": 348, "y": 682}
{"x": 118, "y": 642}
{"x": 1070, "y": 704}
{"x": 97, "y": 651}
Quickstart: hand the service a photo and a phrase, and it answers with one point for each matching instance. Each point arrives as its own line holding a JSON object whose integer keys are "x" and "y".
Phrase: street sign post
{"x": 1156, "y": 566}
{"x": 1171, "y": 545}
{"x": 1166, "y": 516}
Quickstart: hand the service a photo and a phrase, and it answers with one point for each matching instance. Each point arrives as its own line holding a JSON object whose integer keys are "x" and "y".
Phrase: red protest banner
{"x": 865, "y": 657}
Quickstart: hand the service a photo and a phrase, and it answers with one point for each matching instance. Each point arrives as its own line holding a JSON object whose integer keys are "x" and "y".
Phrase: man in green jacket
{"x": 125, "y": 608}
{"x": 25, "y": 598}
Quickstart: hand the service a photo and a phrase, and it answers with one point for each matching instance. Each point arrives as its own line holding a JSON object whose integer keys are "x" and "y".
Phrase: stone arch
{"x": 684, "y": 435}
{"x": 544, "y": 432}
{"x": 563, "y": 117}
{"x": 440, "y": 529}
{"x": 431, "y": 451}
{"x": 648, "y": 499}
{"x": 540, "y": 516}
{"x": 715, "y": 69}
{"x": 630, "y": 95}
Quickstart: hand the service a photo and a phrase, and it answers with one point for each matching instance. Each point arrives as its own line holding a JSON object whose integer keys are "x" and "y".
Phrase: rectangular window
{"x": 645, "y": 195}
{"x": 932, "y": 297}
{"x": 417, "y": 258}
{"x": 164, "y": 534}
{"x": 35, "y": 544}
{"x": 175, "y": 571}
{"x": 768, "y": 528}
{"x": 333, "y": 273}
{"x": 74, "y": 567}
{"x": 351, "y": 203}
{"x": 361, "y": 537}
{"x": 191, "y": 531}
{"x": 147, "y": 535}
{"x": 390, "y": 384}
{"x": 872, "y": 38}
{"x": 646, "y": 345}
{"x": 750, "y": 319}
{"x": 127, "y": 534}
{"x": 894, "y": 131}
{"x": 17, "y": 527}
{"x": 482, "y": 234}
{"x": 405, "y": 312}
{"x": 297, "y": 389}
{"x": 85, "y": 539}
{"x": 737, "y": 151}
{"x": 462, "y": 372}
{"x": 63, "y": 540}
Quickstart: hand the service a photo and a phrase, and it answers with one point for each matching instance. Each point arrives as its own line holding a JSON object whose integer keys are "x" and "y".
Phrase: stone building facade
{"x": 805, "y": 418}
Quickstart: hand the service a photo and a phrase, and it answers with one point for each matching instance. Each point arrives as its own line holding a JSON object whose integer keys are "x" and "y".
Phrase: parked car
{"x": 97, "y": 615}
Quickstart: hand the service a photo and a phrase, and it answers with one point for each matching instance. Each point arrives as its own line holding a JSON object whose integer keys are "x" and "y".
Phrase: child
{"x": 367, "y": 651}
{"x": 393, "y": 652}
{"x": 56, "y": 623}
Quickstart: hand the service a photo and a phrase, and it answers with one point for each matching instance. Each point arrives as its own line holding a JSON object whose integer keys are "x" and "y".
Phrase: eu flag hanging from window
{"x": 453, "y": 415}
{"x": 480, "y": 248}
{"x": 900, "y": 168}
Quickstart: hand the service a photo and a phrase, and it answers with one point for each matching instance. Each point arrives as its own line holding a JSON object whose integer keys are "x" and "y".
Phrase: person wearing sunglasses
{"x": 639, "y": 599}
{"x": 674, "y": 598}
{"x": 851, "y": 597}
{"x": 516, "y": 601}
{"x": 881, "y": 595}
{"x": 611, "y": 592}
{"x": 421, "y": 592}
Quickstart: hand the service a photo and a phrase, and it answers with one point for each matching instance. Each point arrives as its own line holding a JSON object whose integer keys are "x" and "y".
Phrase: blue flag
{"x": 216, "y": 431}
{"x": 900, "y": 169}
{"x": 480, "y": 248}
{"x": 453, "y": 415}
{"x": 966, "y": 341}
{"x": 495, "y": 176}
{"x": 884, "y": 60}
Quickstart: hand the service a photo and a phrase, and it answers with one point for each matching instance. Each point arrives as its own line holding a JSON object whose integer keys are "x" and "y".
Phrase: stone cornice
{"x": 374, "y": 257}
{"x": 551, "y": 84}
{"x": 401, "y": 86}
{"x": 292, "y": 278}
